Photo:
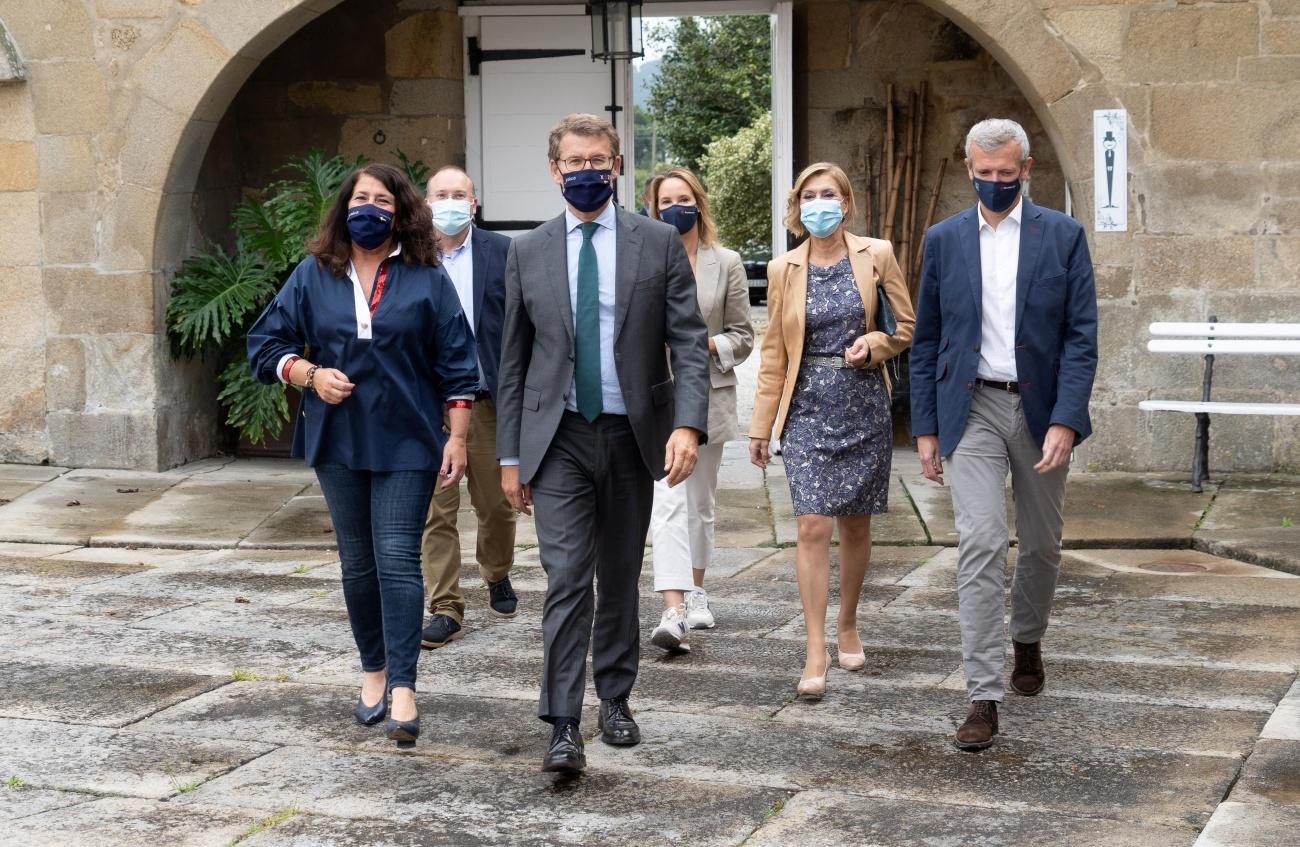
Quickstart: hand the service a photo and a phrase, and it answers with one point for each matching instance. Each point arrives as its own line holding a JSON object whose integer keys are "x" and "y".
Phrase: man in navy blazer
{"x": 1002, "y": 366}
{"x": 475, "y": 259}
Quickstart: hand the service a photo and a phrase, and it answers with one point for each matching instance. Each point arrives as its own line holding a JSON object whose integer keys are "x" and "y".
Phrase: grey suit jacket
{"x": 654, "y": 306}
{"x": 724, "y": 303}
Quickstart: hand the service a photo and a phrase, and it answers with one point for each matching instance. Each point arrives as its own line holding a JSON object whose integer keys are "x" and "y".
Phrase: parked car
{"x": 756, "y": 271}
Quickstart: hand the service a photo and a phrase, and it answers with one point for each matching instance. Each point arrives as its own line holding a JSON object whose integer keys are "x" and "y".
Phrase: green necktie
{"x": 587, "y": 328}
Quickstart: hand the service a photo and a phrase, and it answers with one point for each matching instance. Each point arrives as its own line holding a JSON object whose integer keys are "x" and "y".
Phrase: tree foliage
{"x": 738, "y": 173}
{"x": 714, "y": 80}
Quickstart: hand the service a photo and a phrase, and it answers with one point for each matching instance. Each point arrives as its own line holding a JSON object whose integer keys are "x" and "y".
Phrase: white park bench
{"x": 1219, "y": 339}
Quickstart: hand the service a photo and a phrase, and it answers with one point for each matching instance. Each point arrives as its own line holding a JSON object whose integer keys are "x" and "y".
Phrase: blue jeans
{"x": 378, "y": 522}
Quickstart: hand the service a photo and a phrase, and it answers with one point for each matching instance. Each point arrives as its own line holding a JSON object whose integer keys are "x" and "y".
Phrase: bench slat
{"x": 1218, "y": 408}
{"x": 1226, "y": 330}
{"x": 1253, "y": 347}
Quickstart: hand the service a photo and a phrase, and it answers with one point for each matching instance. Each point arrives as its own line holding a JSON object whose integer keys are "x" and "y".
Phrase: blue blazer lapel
{"x": 479, "y": 246}
{"x": 970, "y": 248}
{"x": 1031, "y": 241}
{"x": 627, "y": 254}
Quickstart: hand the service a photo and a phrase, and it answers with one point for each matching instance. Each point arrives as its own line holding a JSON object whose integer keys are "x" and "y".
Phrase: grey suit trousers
{"x": 592, "y": 496}
{"x": 997, "y": 439}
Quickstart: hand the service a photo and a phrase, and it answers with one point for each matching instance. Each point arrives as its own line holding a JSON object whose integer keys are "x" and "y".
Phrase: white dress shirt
{"x": 604, "y": 240}
{"x": 459, "y": 264}
{"x": 999, "y": 261}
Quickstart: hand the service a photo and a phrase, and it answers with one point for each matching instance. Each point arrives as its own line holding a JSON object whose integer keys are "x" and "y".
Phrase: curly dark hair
{"x": 412, "y": 222}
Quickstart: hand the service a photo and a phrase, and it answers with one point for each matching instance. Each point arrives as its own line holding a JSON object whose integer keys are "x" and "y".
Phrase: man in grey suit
{"x": 589, "y": 415}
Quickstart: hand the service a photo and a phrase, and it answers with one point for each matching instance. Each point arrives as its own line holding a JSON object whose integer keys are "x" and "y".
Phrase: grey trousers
{"x": 592, "y": 497}
{"x": 996, "y": 439}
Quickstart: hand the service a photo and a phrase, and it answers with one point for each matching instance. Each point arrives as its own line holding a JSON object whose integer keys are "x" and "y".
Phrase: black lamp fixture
{"x": 615, "y": 29}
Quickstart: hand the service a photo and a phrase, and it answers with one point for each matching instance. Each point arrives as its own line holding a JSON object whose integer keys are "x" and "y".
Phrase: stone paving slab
{"x": 1235, "y": 824}
{"x": 302, "y": 523}
{"x": 101, "y": 607}
{"x": 200, "y": 513}
{"x": 1271, "y": 775}
{"x": 49, "y": 572}
{"x": 1284, "y": 723}
{"x": 1277, "y": 548}
{"x": 488, "y": 729}
{"x": 197, "y": 586}
{"x": 30, "y": 473}
{"x": 290, "y": 625}
{"x": 93, "y": 693}
{"x": 66, "y": 643}
{"x": 885, "y": 704}
{"x": 22, "y": 801}
{"x": 1101, "y": 510}
{"x": 481, "y": 802}
{"x": 103, "y": 498}
{"x": 123, "y": 822}
{"x": 121, "y": 762}
{"x": 1244, "y": 502}
{"x": 836, "y": 819}
{"x": 1151, "y": 787}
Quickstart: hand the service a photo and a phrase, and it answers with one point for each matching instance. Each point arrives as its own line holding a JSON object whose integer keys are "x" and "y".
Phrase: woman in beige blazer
{"x": 681, "y": 523}
{"x": 824, "y": 392}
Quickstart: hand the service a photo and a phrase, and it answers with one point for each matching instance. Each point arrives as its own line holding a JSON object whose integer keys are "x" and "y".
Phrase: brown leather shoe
{"x": 1028, "y": 676}
{"x": 980, "y": 727}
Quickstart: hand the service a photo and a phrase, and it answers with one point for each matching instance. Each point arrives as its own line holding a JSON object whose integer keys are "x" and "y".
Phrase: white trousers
{"x": 681, "y": 523}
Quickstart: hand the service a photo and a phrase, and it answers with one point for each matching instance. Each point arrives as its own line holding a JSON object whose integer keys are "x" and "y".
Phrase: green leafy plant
{"x": 1286, "y": 523}
{"x": 740, "y": 191}
{"x": 15, "y": 782}
{"x": 217, "y": 294}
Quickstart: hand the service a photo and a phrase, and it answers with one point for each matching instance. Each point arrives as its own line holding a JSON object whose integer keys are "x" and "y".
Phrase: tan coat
{"x": 723, "y": 294}
{"x": 787, "y": 304}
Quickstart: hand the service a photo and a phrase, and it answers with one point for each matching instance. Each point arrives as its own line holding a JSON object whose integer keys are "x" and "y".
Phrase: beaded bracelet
{"x": 311, "y": 376}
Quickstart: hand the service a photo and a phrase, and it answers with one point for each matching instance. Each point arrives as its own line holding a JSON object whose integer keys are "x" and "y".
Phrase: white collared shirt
{"x": 459, "y": 264}
{"x": 999, "y": 262}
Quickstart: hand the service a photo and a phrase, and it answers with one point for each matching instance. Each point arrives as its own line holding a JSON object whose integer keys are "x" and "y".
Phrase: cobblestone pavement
{"x": 179, "y": 670}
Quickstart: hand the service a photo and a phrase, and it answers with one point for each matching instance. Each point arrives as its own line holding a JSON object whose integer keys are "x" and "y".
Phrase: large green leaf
{"x": 213, "y": 294}
{"x": 258, "y": 411}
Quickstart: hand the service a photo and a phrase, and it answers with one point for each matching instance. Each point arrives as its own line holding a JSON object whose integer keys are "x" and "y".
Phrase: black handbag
{"x": 885, "y": 320}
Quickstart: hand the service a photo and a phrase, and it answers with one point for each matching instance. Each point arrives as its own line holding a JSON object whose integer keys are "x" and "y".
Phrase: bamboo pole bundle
{"x": 914, "y": 190}
{"x": 915, "y": 276}
{"x": 897, "y": 179}
{"x": 910, "y": 179}
{"x": 870, "y": 204}
{"x": 887, "y": 162}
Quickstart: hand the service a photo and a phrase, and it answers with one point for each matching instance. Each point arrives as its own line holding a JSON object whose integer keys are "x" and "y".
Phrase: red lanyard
{"x": 378, "y": 291}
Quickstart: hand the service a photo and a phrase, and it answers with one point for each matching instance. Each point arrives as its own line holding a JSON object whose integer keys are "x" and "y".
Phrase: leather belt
{"x": 1009, "y": 387}
{"x": 827, "y": 361}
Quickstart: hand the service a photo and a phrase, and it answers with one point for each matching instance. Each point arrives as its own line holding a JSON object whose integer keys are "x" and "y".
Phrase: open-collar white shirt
{"x": 999, "y": 262}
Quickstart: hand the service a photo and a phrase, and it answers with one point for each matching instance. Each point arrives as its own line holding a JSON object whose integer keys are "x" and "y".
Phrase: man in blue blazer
{"x": 475, "y": 259}
{"x": 1002, "y": 366}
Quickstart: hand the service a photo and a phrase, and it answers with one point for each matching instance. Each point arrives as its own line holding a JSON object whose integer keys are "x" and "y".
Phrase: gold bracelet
{"x": 311, "y": 376}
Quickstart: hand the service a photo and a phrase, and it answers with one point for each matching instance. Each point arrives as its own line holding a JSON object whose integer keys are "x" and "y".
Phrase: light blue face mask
{"x": 450, "y": 216}
{"x": 821, "y": 217}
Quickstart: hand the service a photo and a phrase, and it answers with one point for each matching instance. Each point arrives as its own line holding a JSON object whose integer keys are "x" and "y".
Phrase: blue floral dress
{"x": 838, "y": 438}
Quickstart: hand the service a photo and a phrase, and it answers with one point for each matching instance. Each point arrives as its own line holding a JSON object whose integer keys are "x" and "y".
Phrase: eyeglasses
{"x": 450, "y": 195}
{"x": 577, "y": 163}
{"x": 828, "y": 194}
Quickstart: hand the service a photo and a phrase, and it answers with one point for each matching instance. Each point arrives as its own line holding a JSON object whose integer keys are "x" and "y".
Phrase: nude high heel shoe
{"x": 852, "y": 661}
{"x": 814, "y": 687}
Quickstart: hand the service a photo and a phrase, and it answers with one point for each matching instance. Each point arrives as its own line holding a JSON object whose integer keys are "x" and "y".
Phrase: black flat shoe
{"x": 441, "y": 631}
{"x": 403, "y": 732}
{"x": 371, "y": 715}
{"x": 616, "y": 724}
{"x": 565, "y": 755}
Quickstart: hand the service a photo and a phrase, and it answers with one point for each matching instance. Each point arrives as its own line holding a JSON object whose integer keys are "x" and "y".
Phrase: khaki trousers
{"x": 997, "y": 441}
{"x": 495, "y": 544}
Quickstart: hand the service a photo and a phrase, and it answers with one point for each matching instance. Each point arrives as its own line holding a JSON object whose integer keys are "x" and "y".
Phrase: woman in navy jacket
{"x": 371, "y": 327}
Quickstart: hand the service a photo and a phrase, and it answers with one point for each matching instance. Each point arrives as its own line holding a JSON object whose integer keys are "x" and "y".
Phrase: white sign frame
{"x": 1110, "y": 170}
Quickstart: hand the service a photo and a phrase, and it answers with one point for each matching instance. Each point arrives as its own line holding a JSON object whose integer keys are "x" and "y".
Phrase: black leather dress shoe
{"x": 403, "y": 732}
{"x": 371, "y": 715}
{"x": 616, "y": 724}
{"x": 565, "y": 755}
{"x": 501, "y": 599}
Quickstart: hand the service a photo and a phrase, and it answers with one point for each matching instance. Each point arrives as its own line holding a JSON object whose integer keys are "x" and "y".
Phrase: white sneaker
{"x": 698, "y": 615}
{"x": 671, "y": 632}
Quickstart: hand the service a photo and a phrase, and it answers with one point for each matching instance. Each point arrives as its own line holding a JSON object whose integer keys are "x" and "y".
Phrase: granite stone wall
{"x": 109, "y": 110}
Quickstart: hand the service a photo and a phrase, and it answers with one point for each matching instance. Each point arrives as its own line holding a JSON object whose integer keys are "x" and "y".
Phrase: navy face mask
{"x": 996, "y": 196}
{"x": 369, "y": 225}
{"x": 588, "y": 189}
{"x": 681, "y": 216}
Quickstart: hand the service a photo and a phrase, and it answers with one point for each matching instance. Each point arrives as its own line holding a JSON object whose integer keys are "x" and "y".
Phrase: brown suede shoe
{"x": 980, "y": 727}
{"x": 1028, "y": 676}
